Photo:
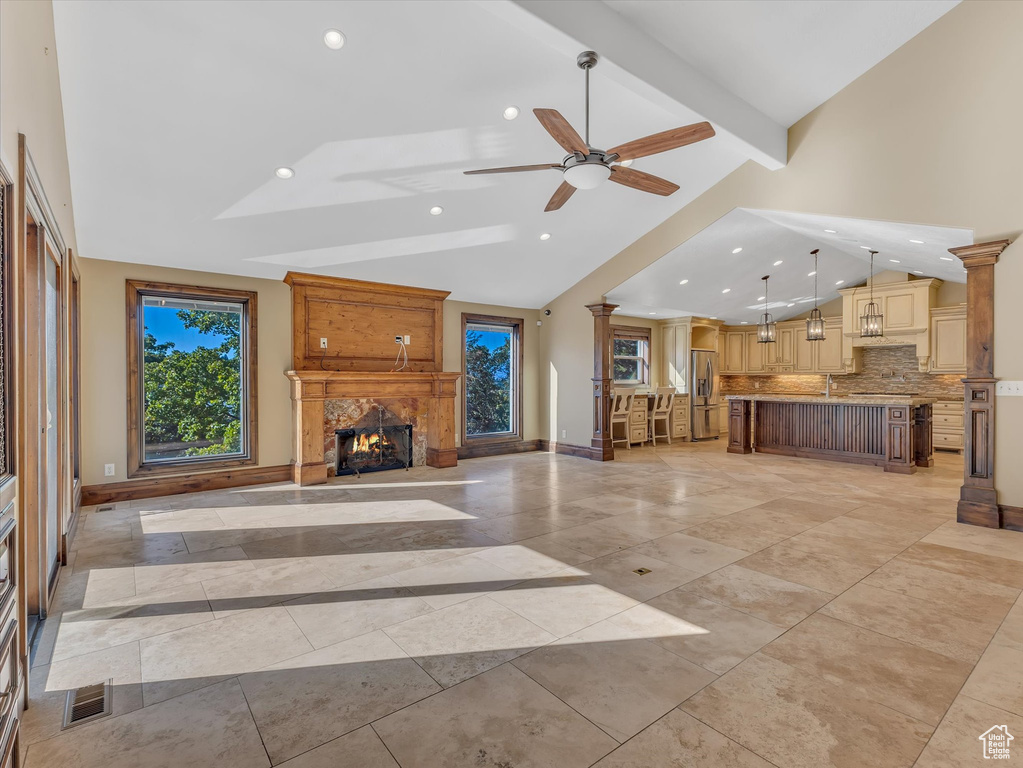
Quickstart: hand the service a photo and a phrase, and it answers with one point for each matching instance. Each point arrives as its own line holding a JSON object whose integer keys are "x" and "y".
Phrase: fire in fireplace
{"x": 372, "y": 449}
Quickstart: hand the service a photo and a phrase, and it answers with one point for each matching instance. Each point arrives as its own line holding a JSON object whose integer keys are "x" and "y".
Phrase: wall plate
{"x": 1009, "y": 389}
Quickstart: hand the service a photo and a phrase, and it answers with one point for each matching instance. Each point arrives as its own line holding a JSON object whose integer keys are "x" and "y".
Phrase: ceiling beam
{"x": 638, "y": 62}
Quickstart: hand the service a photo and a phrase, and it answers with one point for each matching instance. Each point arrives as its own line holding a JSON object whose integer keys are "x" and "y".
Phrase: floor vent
{"x": 88, "y": 703}
{"x": 105, "y": 508}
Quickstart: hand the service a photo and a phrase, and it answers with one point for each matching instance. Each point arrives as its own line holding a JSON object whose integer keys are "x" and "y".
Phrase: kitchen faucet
{"x": 827, "y": 386}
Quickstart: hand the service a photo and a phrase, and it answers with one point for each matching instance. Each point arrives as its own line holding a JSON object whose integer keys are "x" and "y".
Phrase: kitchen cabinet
{"x": 948, "y": 340}
{"x": 754, "y": 353}
{"x": 828, "y": 352}
{"x": 778, "y": 356}
{"x": 675, "y": 355}
{"x": 947, "y": 425}
{"x": 804, "y": 353}
{"x": 679, "y": 418}
{"x": 734, "y": 358}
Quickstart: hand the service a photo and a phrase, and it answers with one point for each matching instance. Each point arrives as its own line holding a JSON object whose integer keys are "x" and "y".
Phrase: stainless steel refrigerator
{"x": 705, "y": 395}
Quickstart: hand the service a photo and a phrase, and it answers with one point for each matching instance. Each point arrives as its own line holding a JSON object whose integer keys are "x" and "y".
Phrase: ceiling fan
{"x": 586, "y": 168}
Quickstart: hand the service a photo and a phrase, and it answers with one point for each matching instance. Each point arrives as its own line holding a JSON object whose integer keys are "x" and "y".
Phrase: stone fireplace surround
{"x": 324, "y": 401}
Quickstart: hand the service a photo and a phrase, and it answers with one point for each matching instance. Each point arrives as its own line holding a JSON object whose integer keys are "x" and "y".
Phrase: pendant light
{"x": 767, "y": 329}
{"x": 815, "y": 322}
{"x": 871, "y": 321}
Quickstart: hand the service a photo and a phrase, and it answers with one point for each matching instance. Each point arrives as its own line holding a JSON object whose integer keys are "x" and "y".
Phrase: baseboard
{"x": 147, "y": 488}
{"x": 1012, "y": 517}
{"x": 476, "y": 450}
{"x": 568, "y": 449}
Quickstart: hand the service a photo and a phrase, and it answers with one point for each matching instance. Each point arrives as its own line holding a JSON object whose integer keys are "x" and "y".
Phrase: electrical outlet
{"x": 323, "y": 343}
{"x": 397, "y": 339}
{"x": 408, "y": 339}
{"x": 108, "y": 470}
{"x": 1009, "y": 388}
{"x": 564, "y": 433}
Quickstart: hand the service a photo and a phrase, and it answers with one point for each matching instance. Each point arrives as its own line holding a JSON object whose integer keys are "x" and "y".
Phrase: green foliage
{"x": 195, "y": 397}
{"x": 487, "y": 378}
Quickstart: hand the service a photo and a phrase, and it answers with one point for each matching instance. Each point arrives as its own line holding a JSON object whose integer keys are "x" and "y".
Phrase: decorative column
{"x": 601, "y": 448}
{"x": 740, "y": 433}
{"x": 978, "y": 503}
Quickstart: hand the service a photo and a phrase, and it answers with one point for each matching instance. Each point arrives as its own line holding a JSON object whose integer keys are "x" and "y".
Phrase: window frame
{"x": 516, "y": 357}
{"x": 632, "y": 333}
{"x": 136, "y": 291}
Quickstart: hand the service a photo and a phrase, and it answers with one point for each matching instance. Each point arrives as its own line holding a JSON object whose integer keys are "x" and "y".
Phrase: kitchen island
{"x": 890, "y": 431}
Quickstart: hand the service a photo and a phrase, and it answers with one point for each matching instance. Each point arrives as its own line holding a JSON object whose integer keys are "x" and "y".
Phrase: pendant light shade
{"x": 767, "y": 329}
{"x": 815, "y": 322}
{"x": 871, "y": 321}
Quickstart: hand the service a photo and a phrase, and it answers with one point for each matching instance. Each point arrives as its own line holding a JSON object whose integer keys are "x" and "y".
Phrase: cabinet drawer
{"x": 948, "y": 440}
{"x": 637, "y": 434}
{"x": 680, "y": 430}
{"x": 945, "y": 406}
{"x": 638, "y": 417}
{"x": 948, "y": 420}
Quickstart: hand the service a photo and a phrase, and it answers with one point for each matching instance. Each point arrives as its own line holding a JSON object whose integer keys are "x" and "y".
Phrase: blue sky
{"x": 492, "y": 339}
{"x": 164, "y": 324}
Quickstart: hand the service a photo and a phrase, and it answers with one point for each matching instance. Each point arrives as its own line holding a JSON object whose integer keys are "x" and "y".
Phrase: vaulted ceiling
{"x": 178, "y": 113}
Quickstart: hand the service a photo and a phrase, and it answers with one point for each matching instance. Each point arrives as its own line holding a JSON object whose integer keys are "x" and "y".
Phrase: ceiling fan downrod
{"x": 587, "y": 60}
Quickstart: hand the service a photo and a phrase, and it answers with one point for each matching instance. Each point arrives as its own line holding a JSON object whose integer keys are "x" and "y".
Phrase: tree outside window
{"x": 631, "y": 348}
{"x": 491, "y": 377}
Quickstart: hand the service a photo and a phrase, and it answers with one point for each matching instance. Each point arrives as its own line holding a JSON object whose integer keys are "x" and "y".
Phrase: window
{"x": 492, "y": 378}
{"x": 191, "y": 378}
{"x": 631, "y": 355}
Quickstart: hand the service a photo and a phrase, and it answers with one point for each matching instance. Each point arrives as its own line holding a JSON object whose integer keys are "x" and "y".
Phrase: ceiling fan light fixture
{"x": 587, "y": 175}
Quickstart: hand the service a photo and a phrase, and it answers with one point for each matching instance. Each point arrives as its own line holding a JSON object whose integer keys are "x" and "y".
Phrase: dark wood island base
{"x": 891, "y": 433}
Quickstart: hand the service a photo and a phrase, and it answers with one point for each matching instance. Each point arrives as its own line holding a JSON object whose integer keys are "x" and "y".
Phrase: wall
{"x": 104, "y": 361}
{"x": 930, "y": 135}
{"x": 531, "y": 417}
{"x": 876, "y": 361}
{"x": 30, "y": 103}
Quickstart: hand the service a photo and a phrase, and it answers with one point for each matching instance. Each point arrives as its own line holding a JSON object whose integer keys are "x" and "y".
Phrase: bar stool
{"x": 621, "y": 410}
{"x": 662, "y": 412}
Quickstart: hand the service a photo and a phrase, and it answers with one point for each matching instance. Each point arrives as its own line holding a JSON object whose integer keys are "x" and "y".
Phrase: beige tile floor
{"x": 796, "y": 613}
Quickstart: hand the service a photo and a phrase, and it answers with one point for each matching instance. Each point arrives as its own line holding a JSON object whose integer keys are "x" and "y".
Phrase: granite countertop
{"x": 839, "y": 399}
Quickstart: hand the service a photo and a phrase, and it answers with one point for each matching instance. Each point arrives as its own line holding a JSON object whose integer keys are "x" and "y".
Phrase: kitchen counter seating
{"x": 890, "y": 431}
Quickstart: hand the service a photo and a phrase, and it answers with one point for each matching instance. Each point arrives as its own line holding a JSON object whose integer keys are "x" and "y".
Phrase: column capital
{"x": 980, "y": 254}
{"x": 602, "y": 309}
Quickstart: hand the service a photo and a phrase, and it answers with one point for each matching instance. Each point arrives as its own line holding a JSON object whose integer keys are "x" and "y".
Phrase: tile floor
{"x": 796, "y": 613}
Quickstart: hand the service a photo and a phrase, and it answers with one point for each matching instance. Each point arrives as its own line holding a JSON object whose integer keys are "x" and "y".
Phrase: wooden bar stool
{"x": 621, "y": 411}
{"x": 662, "y": 413}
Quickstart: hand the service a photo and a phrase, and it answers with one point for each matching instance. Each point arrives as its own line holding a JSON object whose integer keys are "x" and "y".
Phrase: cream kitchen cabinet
{"x": 734, "y": 358}
{"x": 675, "y": 355}
{"x": 778, "y": 357}
{"x": 828, "y": 352}
{"x": 754, "y": 353}
{"x": 948, "y": 340}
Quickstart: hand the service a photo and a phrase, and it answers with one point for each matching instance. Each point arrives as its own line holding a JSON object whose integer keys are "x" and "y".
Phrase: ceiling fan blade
{"x": 563, "y": 133}
{"x": 662, "y": 142}
{"x": 644, "y": 182}
{"x": 561, "y": 195}
{"x": 513, "y": 169}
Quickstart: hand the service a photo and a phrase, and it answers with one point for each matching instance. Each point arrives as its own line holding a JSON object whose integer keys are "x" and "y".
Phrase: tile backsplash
{"x": 876, "y": 360}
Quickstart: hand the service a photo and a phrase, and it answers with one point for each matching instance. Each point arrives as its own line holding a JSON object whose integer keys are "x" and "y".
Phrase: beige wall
{"x": 104, "y": 361}
{"x": 531, "y": 417}
{"x": 930, "y": 135}
{"x": 30, "y": 103}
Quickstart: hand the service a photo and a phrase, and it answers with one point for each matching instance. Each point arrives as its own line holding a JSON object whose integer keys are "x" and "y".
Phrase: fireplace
{"x": 373, "y": 449}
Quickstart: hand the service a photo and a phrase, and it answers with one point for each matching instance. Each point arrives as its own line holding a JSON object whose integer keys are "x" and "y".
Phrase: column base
{"x": 309, "y": 474}
{"x": 441, "y": 457}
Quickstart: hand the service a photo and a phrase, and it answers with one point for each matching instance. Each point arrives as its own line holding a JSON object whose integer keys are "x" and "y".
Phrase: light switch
{"x": 408, "y": 339}
{"x": 1009, "y": 389}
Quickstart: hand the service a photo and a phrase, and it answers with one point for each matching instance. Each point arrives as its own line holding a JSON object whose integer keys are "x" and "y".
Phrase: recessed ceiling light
{"x": 744, "y": 322}
{"x": 333, "y": 38}
{"x": 777, "y": 262}
{"x": 840, "y": 282}
{"x": 436, "y": 210}
{"x": 284, "y": 172}
{"x": 736, "y": 250}
{"x": 917, "y": 272}
{"x": 918, "y": 242}
{"x": 761, "y": 298}
{"x": 831, "y": 231}
{"x": 811, "y": 274}
{"x": 726, "y": 290}
{"x": 651, "y": 313}
{"x": 946, "y": 258}
{"x": 545, "y": 236}
{"x": 625, "y": 163}
{"x": 894, "y": 261}
{"x": 510, "y": 113}
{"x": 683, "y": 282}
{"x": 714, "y": 318}
{"x": 791, "y": 305}
{"x": 865, "y": 247}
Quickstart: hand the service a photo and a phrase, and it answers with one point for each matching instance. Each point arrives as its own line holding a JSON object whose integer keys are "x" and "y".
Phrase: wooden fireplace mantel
{"x": 311, "y": 388}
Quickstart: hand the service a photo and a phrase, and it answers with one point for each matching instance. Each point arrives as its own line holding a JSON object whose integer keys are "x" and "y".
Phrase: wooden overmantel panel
{"x": 360, "y": 319}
